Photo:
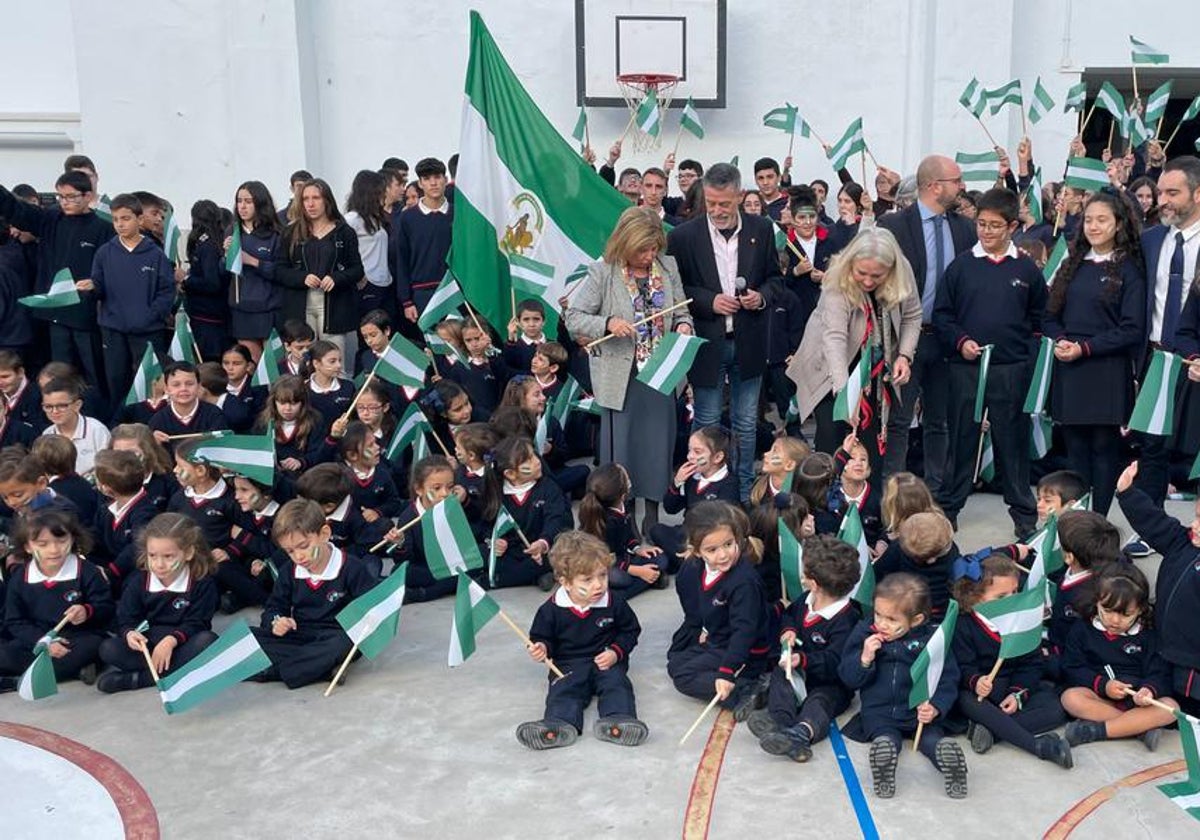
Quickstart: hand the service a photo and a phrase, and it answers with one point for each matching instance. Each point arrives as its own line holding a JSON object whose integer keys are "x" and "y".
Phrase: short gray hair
{"x": 723, "y": 176}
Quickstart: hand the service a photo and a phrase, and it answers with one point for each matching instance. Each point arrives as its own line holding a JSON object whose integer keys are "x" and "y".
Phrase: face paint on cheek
{"x": 525, "y": 469}
{"x": 430, "y": 495}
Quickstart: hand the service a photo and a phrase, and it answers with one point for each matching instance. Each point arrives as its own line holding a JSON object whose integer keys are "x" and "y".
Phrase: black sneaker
{"x": 953, "y": 764}
{"x": 1053, "y": 747}
{"x": 1085, "y": 732}
{"x": 229, "y": 604}
{"x": 8, "y": 684}
{"x": 884, "y": 758}
{"x": 545, "y": 581}
{"x": 628, "y": 732}
{"x": 981, "y": 737}
{"x": 546, "y": 734}
{"x": 752, "y": 698}
{"x": 762, "y": 723}
{"x": 1150, "y": 738}
{"x": 87, "y": 674}
{"x": 115, "y": 681}
{"x": 1136, "y": 547}
{"x": 795, "y": 742}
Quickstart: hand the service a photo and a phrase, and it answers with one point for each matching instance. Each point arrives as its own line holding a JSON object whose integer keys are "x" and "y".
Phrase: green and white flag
{"x": 412, "y": 426}
{"x": 103, "y": 208}
{"x": 781, "y": 239}
{"x": 985, "y": 362}
{"x": 1057, "y": 254}
{"x": 850, "y": 143}
{"x": 473, "y": 608}
{"x": 1084, "y": 502}
{"x": 1039, "y": 387}
{"x": 560, "y": 408}
{"x": 791, "y": 563}
{"x": 226, "y": 662}
{"x": 440, "y": 347}
{"x": 784, "y": 119}
{"x": 576, "y": 274}
{"x": 542, "y": 433}
{"x": 1154, "y": 410}
{"x": 793, "y": 411}
{"x": 690, "y": 120}
{"x": 1186, "y": 794}
{"x": 1041, "y": 104}
{"x": 449, "y": 543}
{"x": 648, "y": 117}
{"x": 143, "y": 378}
{"x": 1087, "y": 173}
{"x": 1156, "y": 104}
{"x": 1192, "y": 111}
{"x": 233, "y": 257}
{"x": 974, "y": 98}
{"x": 670, "y": 362}
{"x": 981, "y": 169}
{"x": 1134, "y": 129}
{"x": 579, "y": 132}
{"x": 266, "y": 372}
{"x": 588, "y": 405}
{"x": 927, "y": 669}
{"x": 521, "y": 188}
{"x": 733, "y": 161}
{"x": 446, "y": 300}
{"x": 1018, "y": 620}
{"x": 504, "y": 524}
{"x": 1076, "y": 97}
{"x": 274, "y": 349}
{"x": 402, "y": 363}
{"x": 531, "y": 279}
{"x": 851, "y": 532}
{"x": 1009, "y": 94}
{"x": 61, "y": 293}
{"x": 1111, "y": 100}
{"x": 171, "y": 236}
{"x": 1049, "y": 557}
{"x": 372, "y": 619}
{"x": 1041, "y": 429}
{"x": 1143, "y": 53}
{"x": 252, "y": 456}
{"x": 183, "y": 343}
{"x": 845, "y": 404}
{"x": 1033, "y": 194}
{"x": 987, "y": 460}
{"x": 39, "y": 682}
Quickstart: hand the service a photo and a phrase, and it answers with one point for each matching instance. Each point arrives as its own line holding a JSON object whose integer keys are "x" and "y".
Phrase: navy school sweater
{"x": 27, "y": 406}
{"x": 215, "y": 512}
{"x": 422, "y": 243}
{"x": 732, "y": 610}
{"x": 81, "y": 493}
{"x": 206, "y": 287}
{"x": 571, "y": 633}
{"x": 377, "y": 491}
{"x": 621, "y": 536}
{"x": 1134, "y": 659}
{"x": 976, "y": 648}
{"x": 1068, "y": 606}
{"x": 332, "y": 404}
{"x": 314, "y": 604}
{"x": 820, "y": 639}
{"x": 170, "y": 613}
{"x": 207, "y": 418}
{"x": 541, "y": 512}
{"x": 136, "y": 288}
{"x": 936, "y": 574}
{"x": 253, "y": 541}
{"x": 483, "y": 380}
{"x": 723, "y": 486}
{"x": 350, "y": 532}
{"x": 256, "y": 290}
{"x": 116, "y": 549}
{"x": 33, "y": 607}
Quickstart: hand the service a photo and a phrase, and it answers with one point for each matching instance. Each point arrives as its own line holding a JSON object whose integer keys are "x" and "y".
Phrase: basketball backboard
{"x": 684, "y": 38}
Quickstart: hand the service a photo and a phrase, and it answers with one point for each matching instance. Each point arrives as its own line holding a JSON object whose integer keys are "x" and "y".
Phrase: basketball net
{"x": 635, "y": 87}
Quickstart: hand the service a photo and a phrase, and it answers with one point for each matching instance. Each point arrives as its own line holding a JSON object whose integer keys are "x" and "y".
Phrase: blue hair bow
{"x": 970, "y": 566}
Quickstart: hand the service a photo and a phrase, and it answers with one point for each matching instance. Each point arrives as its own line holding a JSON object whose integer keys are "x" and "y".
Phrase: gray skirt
{"x": 641, "y": 437}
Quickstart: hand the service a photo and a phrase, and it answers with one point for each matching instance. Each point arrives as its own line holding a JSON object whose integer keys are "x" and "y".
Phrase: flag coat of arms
{"x": 521, "y": 188}
{"x": 473, "y": 608}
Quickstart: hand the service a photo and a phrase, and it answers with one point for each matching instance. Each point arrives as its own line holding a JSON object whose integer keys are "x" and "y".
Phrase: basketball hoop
{"x": 635, "y": 87}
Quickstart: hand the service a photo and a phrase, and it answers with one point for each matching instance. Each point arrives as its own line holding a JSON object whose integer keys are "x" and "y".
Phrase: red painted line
{"x": 133, "y": 803}
{"x": 1085, "y": 807}
{"x": 704, "y": 784}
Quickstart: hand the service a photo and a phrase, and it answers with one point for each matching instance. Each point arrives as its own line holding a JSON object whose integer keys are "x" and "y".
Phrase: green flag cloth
{"x": 1039, "y": 386}
{"x": 147, "y": 371}
{"x": 974, "y": 98}
{"x": 1018, "y": 620}
{"x": 580, "y": 130}
{"x": 1076, "y": 97}
{"x": 448, "y": 541}
{"x": 1041, "y": 102}
{"x": 1186, "y": 794}
{"x": 791, "y": 562}
{"x": 1009, "y": 94}
{"x": 372, "y": 619}
{"x": 690, "y": 120}
{"x": 670, "y": 362}
{"x": 648, "y": 117}
{"x": 473, "y": 608}
{"x": 252, "y": 456}
{"x": 1142, "y": 53}
{"x": 183, "y": 343}
{"x": 1154, "y": 410}
{"x": 61, "y": 293}
{"x": 845, "y": 404}
{"x": 446, "y": 300}
{"x": 851, "y": 532}
{"x": 985, "y": 362}
{"x": 1087, "y": 174}
{"x": 225, "y": 663}
{"x": 233, "y": 257}
{"x": 980, "y": 170}
{"x": 850, "y": 143}
{"x": 926, "y": 671}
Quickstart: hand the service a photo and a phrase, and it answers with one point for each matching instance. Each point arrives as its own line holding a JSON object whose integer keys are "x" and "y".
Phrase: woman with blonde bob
{"x": 634, "y": 280}
{"x": 869, "y": 305}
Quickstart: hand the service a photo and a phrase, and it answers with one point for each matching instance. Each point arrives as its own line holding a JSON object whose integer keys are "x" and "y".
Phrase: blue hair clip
{"x": 970, "y": 566}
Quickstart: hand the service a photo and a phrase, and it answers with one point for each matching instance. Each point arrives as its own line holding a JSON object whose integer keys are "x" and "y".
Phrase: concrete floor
{"x": 411, "y": 749}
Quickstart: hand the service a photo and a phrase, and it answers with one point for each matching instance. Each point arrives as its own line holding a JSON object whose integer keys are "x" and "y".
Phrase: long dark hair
{"x": 300, "y": 230}
{"x": 1127, "y": 246}
{"x": 206, "y": 225}
{"x": 265, "y": 218}
{"x": 366, "y": 199}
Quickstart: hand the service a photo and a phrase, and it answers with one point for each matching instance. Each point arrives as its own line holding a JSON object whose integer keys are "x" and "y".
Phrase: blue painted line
{"x": 861, "y": 810}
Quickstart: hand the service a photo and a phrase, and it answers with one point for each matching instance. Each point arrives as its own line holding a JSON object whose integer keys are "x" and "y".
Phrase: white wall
{"x": 228, "y": 91}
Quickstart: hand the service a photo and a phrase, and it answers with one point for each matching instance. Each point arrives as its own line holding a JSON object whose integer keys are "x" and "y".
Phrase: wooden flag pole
{"x": 1112, "y": 125}
{"x": 474, "y": 316}
{"x": 917, "y": 735}
{"x": 678, "y": 137}
{"x": 440, "y": 443}
{"x": 863, "y": 160}
{"x": 1136, "y": 97}
{"x": 638, "y": 323}
{"x": 529, "y": 642}
{"x": 196, "y": 349}
{"x": 385, "y": 541}
{"x": 711, "y": 703}
{"x": 792, "y": 139}
{"x": 871, "y": 155}
{"x": 787, "y": 660}
{"x": 995, "y": 670}
{"x": 363, "y": 387}
{"x": 816, "y": 136}
{"x": 149, "y": 662}
{"x": 512, "y": 293}
{"x": 587, "y": 135}
{"x": 979, "y": 448}
{"x": 790, "y": 244}
{"x": 1087, "y": 119}
{"x": 1153, "y": 702}
{"x": 341, "y": 670}
{"x": 990, "y": 138}
{"x": 1173, "y": 133}
{"x": 215, "y": 433}
{"x": 61, "y": 624}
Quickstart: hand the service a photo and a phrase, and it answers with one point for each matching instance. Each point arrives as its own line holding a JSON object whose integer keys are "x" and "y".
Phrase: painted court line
{"x": 862, "y": 811}
{"x": 704, "y": 784}
{"x": 1085, "y": 807}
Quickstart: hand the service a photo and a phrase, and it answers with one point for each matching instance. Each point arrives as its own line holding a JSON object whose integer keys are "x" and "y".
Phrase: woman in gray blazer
{"x": 869, "y": 305}
{"x": 632, "y": 281}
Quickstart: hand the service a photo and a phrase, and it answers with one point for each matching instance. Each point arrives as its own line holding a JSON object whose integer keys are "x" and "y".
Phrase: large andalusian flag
{"x": 521, "y": 189}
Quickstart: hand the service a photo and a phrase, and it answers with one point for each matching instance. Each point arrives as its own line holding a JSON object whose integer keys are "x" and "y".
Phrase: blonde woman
{"x": 632, "y": 281}
{"x": 868, "y": 305}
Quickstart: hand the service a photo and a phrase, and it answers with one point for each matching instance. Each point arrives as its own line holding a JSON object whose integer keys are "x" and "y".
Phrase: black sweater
{"x": 315, "y": 607}
{"x": 732, "y": 610}
{"x": 997, "y": 303}
{"x": 422, "y": 243}
{"x": 206, "y": 287}
{"x": 569, "y": 633}
{"x": 178, "y": 614}
{"x": 31, "y": 609}
{"x": 819, "y": 640}
{"x": 1134, "y": 659}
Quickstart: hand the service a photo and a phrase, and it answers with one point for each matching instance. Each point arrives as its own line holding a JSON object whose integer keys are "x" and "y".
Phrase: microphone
{"x": 739, "y": 286}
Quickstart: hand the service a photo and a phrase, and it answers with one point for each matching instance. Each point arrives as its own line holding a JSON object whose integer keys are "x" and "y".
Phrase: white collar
{"x": 862, "y": 494}
{"x": 1070, "y": 578}
{"x": 317, "y": 389}
{"x": 230, "y": 388}
{"x": 339, "y": 513}
{"x": 717, "y": 476}
{"x": 562, "y": 599}
{"x": 829, "y": 611}
{"x": 80, "y": 432}
{"x": 68, "y": 571}
{"x": 977, "y": 251}
{"x": 182, "y": 418}
{"x": 331, "y": 570}
{"x": 716, "y": 231}
{"x": 363, "y": 476}
{"x": 444, "y": 208}
{"x": 17, "y": 394}
{"x": 1092, "y": 256}
{"x": 533, "y": 342}
{"x": 1188, "y": 232}
{"x": 1133, "y": 630}
{"x": 180, "y": 584}
{"x": 517, "y": 489}
{"x": 478, "y": 473}
{"x": 216, "y": 491}
{"x": 711, "y": 575}
{"x": 119, "y": 512}
{"x": 270, "y": 509}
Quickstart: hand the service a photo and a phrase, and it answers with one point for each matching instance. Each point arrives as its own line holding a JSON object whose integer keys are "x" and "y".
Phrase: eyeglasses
{"x": 991, "y": 227}
{"x": 958, "y": 180}
{"x": 53, "y": 408}
{"x": 364, "y": 408}
{"x": 69, "y": 198}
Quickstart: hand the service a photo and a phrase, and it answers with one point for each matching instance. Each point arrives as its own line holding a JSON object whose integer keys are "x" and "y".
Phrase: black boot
{"x": 626, "y": 731}
{"x": 953, "y": 764}
{"x": 1085, "y": 732}
{"x": 884, "y": 758}
{"x": 795, "y": 742}
{"x": 1053, "y": 747}
{"x": 546, "y": 734}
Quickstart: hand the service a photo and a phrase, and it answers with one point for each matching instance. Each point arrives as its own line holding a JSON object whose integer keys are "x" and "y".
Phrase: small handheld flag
{"x": 1076, "y": 97}
{"x": 647, "y": 116}
{"x": 1154, "y": 410}
{"x": 473, "y": 608}
{"x": 974, "y": 98}
{"x": 1018, "y": 620}
{"x": 926, "y": 671}
{"x": 985, "y": 362}
{"x": 1186, "y": 794}
{"x": 62, "y": 292}
{"x": 982, "y": 169}
{"x": 402, "y": 363}
{"x": 670, "y": 362}
{"x": 252, "y": 456}
{"x": 850, "y": 143}
{"x": 579, "y": 132}
{"x": 183, "y": 343}
{"x": 1041, "y": 103}
{"x": 39, "y": 681}
{"x": 851, "y": 532}
{"x": 690, "y": 120}
{"x": 446, "y": 300}
{"x": 231, "y": 659}
{"x": 845, "y": 404}
{"x": 233, "y": 257}
{"x": 1087, "y": 174}
{"x": 449, "y": 544}
{"x": 791, "y": 562}
{"x": 143, "y": 378}
{"x": 372, "y": 619}
{"x": 1039, "y": 387}
{"x": 1009, "y": 94}
{"x": 1143, "y": 53}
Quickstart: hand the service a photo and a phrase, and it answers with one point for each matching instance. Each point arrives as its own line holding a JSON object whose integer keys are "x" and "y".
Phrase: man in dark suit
{"x": 930, "y": 237}
{"x": 1170, "y": 251}
{"x": 730, "y": 270}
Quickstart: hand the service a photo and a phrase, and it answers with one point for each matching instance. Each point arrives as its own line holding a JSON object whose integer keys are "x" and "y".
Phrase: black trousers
{"x": 1095, "y": 453}
{"x": 1042, "y": 712}
{"x": 16, "y": 656}
{"x": 304, "y": 657}
{"x": 627, "y": 584}
{"x": 82, "y": 349}
{"x": 823, "y": 704}
{"x": 212, "y": 339}
{"x": 569, "y": 696}
{"x": 116, "y": 653}
{"x": 671, "y": 540}
{"x": 234, "y": 576}
{"x": 420, "y": 585}
{"x": 1004, "y": 400}
{"x": 930, "y": 384}
{"x": 123, "y": 353}
{"x": 831, "y": 433}
{"x": 693, "y": 670}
